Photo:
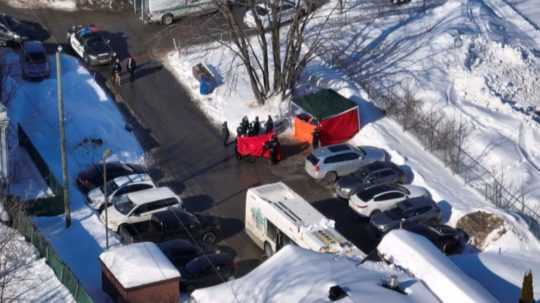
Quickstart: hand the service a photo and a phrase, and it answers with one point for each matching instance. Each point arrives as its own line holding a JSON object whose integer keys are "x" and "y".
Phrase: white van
{"x": 277, "y": 216}
{"x": 166, "y": 11}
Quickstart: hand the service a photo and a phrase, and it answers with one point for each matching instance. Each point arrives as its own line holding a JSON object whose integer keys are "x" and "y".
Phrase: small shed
{"x": 336, "y": 117}
{"x": 139, "y": 272}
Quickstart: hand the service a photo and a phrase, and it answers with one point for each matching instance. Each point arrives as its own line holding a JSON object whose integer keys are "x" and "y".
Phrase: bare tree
{"x": 272, "y": 48}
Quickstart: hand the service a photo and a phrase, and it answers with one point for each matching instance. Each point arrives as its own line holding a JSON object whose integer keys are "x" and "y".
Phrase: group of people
{"x": 117, "y": 70}
{"x": 254, "y": 128}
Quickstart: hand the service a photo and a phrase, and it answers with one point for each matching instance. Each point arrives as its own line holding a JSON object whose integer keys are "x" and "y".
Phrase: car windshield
{"x": 95, "y": 42}
{"x": 111, "y": 186}
{"x": 36, "y": 57}
{"x": 124, "y": 206}
{"x": 314, "y": 160}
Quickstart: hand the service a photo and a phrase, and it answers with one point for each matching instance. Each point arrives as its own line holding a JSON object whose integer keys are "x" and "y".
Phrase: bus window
{"x": 271, "y": 231}
{"x": 283, "y": 240}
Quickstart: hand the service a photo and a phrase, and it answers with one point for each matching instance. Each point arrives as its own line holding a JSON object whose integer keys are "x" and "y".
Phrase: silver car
{"x": 117, "y": 187}
{"x": 333, "y": 161}
{"x": 408, "y": 212}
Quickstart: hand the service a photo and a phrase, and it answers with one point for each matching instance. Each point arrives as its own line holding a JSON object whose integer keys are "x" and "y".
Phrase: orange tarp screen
{"x": 303, "y": 130}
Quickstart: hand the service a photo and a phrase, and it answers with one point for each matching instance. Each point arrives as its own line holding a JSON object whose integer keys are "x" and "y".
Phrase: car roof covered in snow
{"x": 295, "y": 274}
{"x": 151, "y": 194}
{"x": 420, "y": 257}
{"x": 138, "y": 264}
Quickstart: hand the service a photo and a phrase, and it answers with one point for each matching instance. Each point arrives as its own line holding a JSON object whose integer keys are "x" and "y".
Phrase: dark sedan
{"x": 173, "y": 223}
{"x": 13, "y": 31}
{"x": 207, "y": 270}
{"x": 373, "y": 174}
{"x": 34, "y": 61}
{"x": 180, "y": 252}
{"x": 93, "y": 176}
{"x": 408, "y": 212}
{"x": 448, "y": 239}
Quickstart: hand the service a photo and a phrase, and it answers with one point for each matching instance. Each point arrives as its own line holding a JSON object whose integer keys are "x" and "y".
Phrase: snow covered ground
{"x": 30, "y": 279}
{"x": 89, "y": 114}
{"x": 67, "y": 5}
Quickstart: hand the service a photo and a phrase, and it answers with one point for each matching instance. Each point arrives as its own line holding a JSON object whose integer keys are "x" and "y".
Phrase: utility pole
{"x": 106, "y": 154}
{"x": 60, "y": 105}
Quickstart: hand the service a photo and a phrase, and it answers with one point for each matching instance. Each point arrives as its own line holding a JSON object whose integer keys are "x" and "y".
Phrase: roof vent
{"x": 336, "y": 292}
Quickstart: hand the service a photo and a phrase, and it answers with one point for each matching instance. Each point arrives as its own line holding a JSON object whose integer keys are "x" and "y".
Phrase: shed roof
{"x": 139, "y": 264}
{"x": 324, "y": 103}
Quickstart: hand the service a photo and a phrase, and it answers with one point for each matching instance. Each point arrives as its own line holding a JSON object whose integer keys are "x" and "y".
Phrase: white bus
{"x": 277, "y": 216}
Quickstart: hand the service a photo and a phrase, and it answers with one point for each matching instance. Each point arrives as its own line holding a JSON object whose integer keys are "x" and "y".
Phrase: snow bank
{"x": 501, "y": 274}
{"x": 295, "y": 274}
{"x": 29, "y": 279}
{"x": 420, "y": 257}
{"x": 139, "y": 264}
{"x": 66, "y": 5}
{"x": 87, "y": 116}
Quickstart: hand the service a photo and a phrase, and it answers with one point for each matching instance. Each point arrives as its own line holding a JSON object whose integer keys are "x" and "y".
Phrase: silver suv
{"x": 329, "y": 162}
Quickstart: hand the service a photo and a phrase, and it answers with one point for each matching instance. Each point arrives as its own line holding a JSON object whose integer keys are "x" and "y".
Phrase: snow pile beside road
{"x": 67, "y": 5}
{"x": 418, "y": 256}
{"x": 89, "y": 119}
{"x": 500, "y": 273}
{"x": 27, "y": 278}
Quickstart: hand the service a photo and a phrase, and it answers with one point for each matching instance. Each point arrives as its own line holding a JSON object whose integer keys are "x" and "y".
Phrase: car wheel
{"x": 209, "y": 237}
{"x": 268, "y": 251}
{"x": 167, "y": 19}
{"x": 330, "y": 177}
{"x": 374, "y": 213}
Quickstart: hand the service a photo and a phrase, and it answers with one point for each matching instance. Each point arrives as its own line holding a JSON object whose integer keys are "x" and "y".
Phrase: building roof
{"x": 138, "y": 264}
{"x": 295, "y": 274}
{"x": 324, "y": 103}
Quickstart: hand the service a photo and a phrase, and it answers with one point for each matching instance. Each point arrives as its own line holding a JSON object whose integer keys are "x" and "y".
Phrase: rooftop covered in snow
{"x": 139, "y": 264}
{"x": 295, "y": 274}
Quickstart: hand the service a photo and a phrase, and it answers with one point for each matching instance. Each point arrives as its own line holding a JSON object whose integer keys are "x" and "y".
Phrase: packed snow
{"x": 89, "y": 114}
{"x": 500, "y": 273}
{"x": 25, "y": 276}
{"x": 126, "y": 264}
{"x": 66, "y": 5}
{"x": 419, "y": 256}
{"x": 309, "y": 278}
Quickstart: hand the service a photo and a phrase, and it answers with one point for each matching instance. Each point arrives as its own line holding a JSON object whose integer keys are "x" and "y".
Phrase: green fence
{"x": 23, "y": 223}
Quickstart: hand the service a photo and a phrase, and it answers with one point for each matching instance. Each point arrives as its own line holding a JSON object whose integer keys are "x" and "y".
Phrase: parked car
{"x": 14, "y": 31}
{"x": 207, "y": 270}
{"x": 34, "y": 61}
{"x": 139, "y": 206}
{"x": 117, "y": 187}
{"x": 372, "y": 174}
{"x": 287, "y": 11}
{"x": 399, "y": 1}
{"x": 180, "y": 251}
{"x": 90, "y": 44}
{"x": 166, "y": 11}
{"x": 408, "y": 212}
{"x": 173, "y": 223}
{"x": 333, "y": 161}
{"x": 92, "y": 177}
{"x": 448, "y": 239}
{"x": 383, "y": 197}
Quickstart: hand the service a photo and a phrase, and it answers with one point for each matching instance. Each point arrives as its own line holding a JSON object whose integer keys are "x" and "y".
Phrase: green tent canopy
{"x": 324, "y": 103}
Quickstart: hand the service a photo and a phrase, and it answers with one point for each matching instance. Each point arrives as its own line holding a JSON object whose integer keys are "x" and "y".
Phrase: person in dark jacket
{"x": 244, "y": 126}
{"x": 316, "y": 140}
{"x": 116, "y": 70}
{"x": 255, "y": 126}
{"x": 226, "y": 134}
{"x": 269, "y": 125}
{"x": 131, "y": 66}
{"x": 273, "y": 146}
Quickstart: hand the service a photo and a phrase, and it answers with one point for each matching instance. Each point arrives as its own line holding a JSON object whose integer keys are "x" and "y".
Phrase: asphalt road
{"x": 184, "y": 148}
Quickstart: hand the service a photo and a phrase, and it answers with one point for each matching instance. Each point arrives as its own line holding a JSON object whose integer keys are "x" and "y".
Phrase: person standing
{"x": 131, "y": 66}
{"x": 116, "y": 69}
{"x": 256, "y": 128}
{"x": 269, "y": 125}
{"x": 316, "y": 139}
{"x": 226, "y": 134}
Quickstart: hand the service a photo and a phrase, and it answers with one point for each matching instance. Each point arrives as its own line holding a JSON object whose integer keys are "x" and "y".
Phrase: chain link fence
{"x": 23, "y": 223}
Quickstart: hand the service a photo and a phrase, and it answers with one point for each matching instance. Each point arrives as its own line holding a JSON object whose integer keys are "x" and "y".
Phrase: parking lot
{"x": 184, "y": 148}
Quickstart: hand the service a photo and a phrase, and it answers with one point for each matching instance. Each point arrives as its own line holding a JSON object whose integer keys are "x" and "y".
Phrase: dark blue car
{"x": 34, "y": 62}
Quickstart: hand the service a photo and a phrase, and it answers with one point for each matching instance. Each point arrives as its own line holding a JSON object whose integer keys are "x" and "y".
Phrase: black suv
{"x": 448, "y": 239}
{"x": 13, "y": 31}
{"x": 173, "y": 223}
{"x": 375, "y": 173}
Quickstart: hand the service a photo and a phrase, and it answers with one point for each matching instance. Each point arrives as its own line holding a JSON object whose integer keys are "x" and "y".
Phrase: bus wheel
{"x": 268, "y": 251}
